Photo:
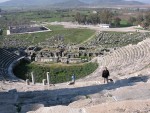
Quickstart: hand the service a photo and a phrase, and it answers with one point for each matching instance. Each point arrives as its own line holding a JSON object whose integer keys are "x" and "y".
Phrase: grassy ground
{"x": 73, "y": 35}
{"x": 70, "y": 35}
{"x": 124, "y": 23}
{"x": 59, "y": 73}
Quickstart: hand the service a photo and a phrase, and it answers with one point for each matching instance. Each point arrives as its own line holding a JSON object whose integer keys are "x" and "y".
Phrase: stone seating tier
{"x": 129, "y": 56}
{"x": 6, "y": 58}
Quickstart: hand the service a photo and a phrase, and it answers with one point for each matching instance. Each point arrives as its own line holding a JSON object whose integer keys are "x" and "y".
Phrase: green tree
{"x": 147, "y": 17}
{"x": 83, "y": 19}
{"x": 105, "y": 16}
{"x": 145, "y": 24}
{"x": 132, "y": 20}
{"x": 139, "y": 19}
{"x": 78, "y": 17}
{"x": 1, "y": 32}
{"x": 94, "y": 19}
{"x": 117, "y": 21}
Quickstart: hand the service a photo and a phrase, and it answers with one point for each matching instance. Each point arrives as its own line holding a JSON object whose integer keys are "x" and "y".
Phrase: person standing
{"x": 72, "y": 79}
{"x": 105, "y": 74}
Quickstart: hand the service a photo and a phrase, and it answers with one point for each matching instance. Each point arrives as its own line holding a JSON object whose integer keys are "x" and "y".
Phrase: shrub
{"x": 58, "y": 73}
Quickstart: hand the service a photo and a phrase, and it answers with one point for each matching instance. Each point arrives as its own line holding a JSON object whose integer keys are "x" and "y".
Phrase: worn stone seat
{"x": 8, "y": 108}
{"x": 31, "y": 107}
{"x": 6, "y": 58}
{"x": 129, "y": 56}
{"x": 8, "y": 97}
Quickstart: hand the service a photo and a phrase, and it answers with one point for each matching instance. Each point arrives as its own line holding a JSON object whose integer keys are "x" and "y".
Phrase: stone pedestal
{"x": 48, "y": 78}
{"x": 27, "y": 82}
{"x": 44, "y": 82}
{"x": 33, "y": 78}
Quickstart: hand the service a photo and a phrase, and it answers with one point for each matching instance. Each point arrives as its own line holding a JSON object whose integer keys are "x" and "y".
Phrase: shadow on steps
{"x": 66, "y": 96}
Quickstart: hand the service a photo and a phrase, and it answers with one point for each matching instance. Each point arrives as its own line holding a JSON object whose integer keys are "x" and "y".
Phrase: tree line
{"x": 104, "y": 16}
{"x": 142, "y": 19}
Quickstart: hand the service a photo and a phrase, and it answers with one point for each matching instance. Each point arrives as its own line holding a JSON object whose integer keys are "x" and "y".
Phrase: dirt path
{"x": 97, "y": 28}
{"x": 89, "y": 39}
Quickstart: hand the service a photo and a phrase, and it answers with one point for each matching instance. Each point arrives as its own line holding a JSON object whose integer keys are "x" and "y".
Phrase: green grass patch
{"x": 70, "y": 35}
{"x": 58, "y": 73}
{"x": 124, "y": 23}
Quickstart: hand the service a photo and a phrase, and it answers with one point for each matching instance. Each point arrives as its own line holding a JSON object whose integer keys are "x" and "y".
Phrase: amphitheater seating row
{"x": 6, "y": 58}
{"x": 129, "y": 56}
{"x": 109, "y": 39}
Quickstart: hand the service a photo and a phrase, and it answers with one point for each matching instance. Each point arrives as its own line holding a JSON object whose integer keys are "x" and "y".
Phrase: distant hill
{"x": 70, "y": 3}
{"x": 66, "y": 3}
{"x": 116, "y": 2}
{"x": 31, "y": 2}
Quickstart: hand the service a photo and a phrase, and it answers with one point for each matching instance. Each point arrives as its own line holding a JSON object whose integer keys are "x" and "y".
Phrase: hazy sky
{"x": 146, "y": 1}
{"x": 3, "y": 0}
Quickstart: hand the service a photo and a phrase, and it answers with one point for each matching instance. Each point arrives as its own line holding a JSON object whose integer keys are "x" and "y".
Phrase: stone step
{"x": 30, "y": 107}
{"x": 6, "y": 108}
{"x": 59, "y": 109}
{"x": 10, "y": 97}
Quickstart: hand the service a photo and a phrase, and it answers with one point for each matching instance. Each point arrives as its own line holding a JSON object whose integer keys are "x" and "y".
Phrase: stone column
{"x": 62, "y": 54}
{"x": 48, "y": 78}
{"x": 88, "y": 54}
{"x": 44, "y": 82}
{"x": 55, "y": 55}
{"x": 33, "y": 78}
{"x": 27, "y": 82}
